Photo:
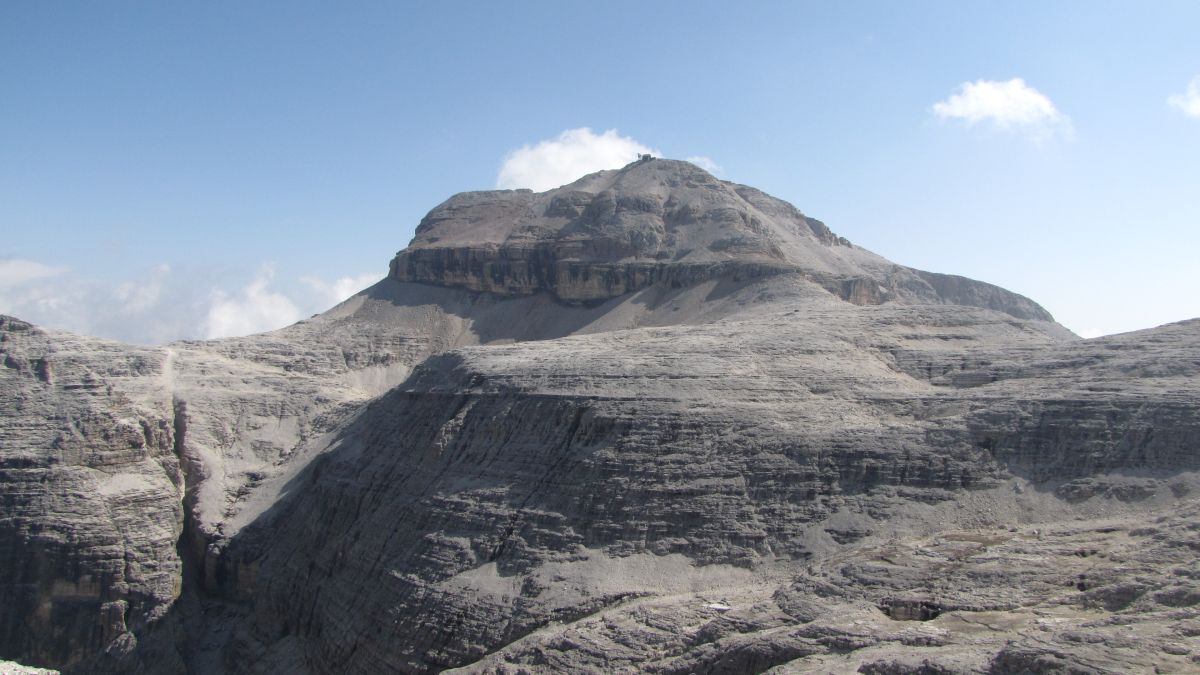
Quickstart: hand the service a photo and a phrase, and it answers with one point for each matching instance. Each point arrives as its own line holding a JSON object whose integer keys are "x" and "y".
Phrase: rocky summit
{"x": 648, "y": 421}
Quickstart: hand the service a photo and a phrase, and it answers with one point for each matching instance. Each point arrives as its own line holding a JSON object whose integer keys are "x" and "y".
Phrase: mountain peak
{"x": 650, "y": 220}
{"x": 659, "y": 207}
{"x": 657, "y": 221}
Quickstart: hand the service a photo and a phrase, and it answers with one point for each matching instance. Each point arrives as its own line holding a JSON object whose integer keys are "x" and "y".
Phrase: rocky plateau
{"x": 650, "y": 421}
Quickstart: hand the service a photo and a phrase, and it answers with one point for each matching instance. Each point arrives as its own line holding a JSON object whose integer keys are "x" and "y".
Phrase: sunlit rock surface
{"x": 649, "y": 421}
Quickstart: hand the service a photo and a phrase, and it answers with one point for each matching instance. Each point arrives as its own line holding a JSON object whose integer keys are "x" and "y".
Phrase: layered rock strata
{"x": 90, "y": 482}
{"x": 500, "y": 490}
{"x": 658, "y": 222}
{"x": 649, "y": 421}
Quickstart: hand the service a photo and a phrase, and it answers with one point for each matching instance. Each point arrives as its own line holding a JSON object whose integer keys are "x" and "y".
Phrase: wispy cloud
{"x": 1011, "y": 105}
{"x": 330, "y": 293}
{"x": 254, "y": 309}
{"x": 149, "y": 307}
{"x": 159, "y": 304}
{"x": 1189, "y": 100}
{"x": 571, "y": 155}
{"x": 14, "y": 272}
{"x": 706, "y": 163}
{"x": 134, "y": 297}
{"x": 264, "y": 305}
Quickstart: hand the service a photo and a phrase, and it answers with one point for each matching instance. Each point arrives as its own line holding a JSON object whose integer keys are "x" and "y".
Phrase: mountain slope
{"x": 645, "y": 395}
{"x": 658, "y": 221}
{"x": 504, "y": 489}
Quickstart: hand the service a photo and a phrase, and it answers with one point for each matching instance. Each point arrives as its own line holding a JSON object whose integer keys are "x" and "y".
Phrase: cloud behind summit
{"x": 573, "y": 153}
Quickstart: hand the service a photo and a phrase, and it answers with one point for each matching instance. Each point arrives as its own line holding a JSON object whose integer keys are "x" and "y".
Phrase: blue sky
{"x": 172, "y": 170}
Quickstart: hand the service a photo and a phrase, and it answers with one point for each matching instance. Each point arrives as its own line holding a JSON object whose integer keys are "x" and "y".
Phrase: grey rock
{"x": 90, "y": 487}
{"x": 14, "y": 668}
{"x": 650, "y": 421}
{"x": 658, "y": 222}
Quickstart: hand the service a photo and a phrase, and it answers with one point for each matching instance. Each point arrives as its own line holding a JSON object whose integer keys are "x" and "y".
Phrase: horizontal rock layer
{"x": 658, "y": 222}
{"x": 473, "y": 505}
{"x": 90, "y": 485}
{"x": 513, "y": 272}
{"x": 649, "y": 421}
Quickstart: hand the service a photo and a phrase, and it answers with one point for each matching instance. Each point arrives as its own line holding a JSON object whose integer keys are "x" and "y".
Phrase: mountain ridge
{"x": 548, "y": 454}
{"x": 658, "y": 220}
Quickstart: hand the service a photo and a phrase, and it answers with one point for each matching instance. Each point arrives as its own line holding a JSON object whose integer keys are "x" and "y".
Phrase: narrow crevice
{"x": 190, "y": 545}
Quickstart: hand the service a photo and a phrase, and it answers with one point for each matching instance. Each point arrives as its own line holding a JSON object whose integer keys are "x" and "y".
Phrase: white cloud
{"x": 151, "y": 307}
{"x": 256, "y": 308}
{"x": 157, "y": 305}
{"x": 573, "y": 154}
{"x": 1189, "y": 101}
{"x": 14, "y": 272}
{"x": 328, "y": 293}
{"x": 136, "y": 297}
{"x": 34, "y": 300}
{"x": 1009, "y": 105}
{"x": 706, "y": 163}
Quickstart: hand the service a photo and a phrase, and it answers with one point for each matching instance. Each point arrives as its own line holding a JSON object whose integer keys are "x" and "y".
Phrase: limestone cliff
{"x": 649, "y": 421}
{"x": 658, "y": 221}
{"x": 91, "y": 487}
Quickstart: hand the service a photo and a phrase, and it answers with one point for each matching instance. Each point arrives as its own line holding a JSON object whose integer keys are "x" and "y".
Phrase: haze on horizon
{"x": 185, "y": 172}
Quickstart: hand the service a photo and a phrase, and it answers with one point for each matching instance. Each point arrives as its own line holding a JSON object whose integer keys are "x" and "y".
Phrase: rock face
{"x": 657, "y": 222}
{"x": 90, "y": 487}
{"x": 647, "y": 421}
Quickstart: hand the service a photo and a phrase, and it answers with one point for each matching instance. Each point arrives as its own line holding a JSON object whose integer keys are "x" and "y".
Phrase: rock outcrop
{"x": 501, "y": 489}
{"x": 90, "y": 483}
{"x": 648, "y": 421}
{"x": 658, "y": 222}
